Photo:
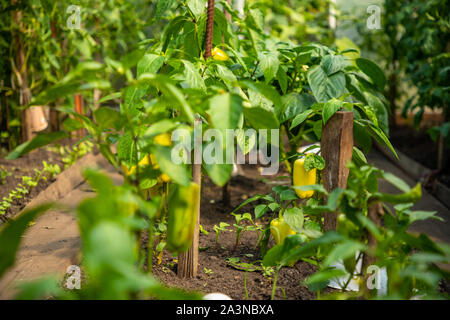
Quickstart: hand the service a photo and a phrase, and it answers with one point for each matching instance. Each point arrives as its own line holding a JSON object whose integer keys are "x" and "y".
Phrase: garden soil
{"x": 52, "y": 243}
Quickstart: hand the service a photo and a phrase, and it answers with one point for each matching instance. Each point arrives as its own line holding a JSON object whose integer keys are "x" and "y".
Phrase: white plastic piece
{"x": 216, "y": 296}
{"x": 353, "y": 285}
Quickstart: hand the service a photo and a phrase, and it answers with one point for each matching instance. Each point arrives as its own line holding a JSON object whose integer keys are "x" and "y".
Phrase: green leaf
{"x": 38, "y": 141}
{"x": 261, "y": 118}
{"x": 282, "y": 79}
{"x": 197, "y": 7}
{"x": 343, "y": 251}
{"x": 71, "y": 124}
{"x": 219, "y": 173}
{"x": 325, "y": 87}
{"x": 162, "y": 7}
{"x": 11, "y": 235}
{"x": 358, "y": 157}
{"x": 126, "y": 149}
{"x": 330, "y": 108}
{"x": 260, "y": 210}
{"x": 266, "y": 90}
{"x": 294, "y": 218}
{"x": 192, "y": 76}
{"x": 280, "y": 255}
{"x": 314, "y": 161}
{"x": 131, "y": 59}
{"x": 332, "y": 64}
{"x": 396, "y": 181}
{"x": 269, "y": 64}
{"x": 299, "y": 119}
{"x": 372, "y": 71}
{"x": 322, "y": 278}
{"x": 150, "y": 63}
{"x": 162, "y": 126}
{"x": 225, "y": 111}
{"x": 177, "y": 172}
{"x": 172, "y": 92}
{"x": 316, "y": 187}
{"x": 107, "y": 117}
{"x": 422, "y": 215}
{"x": 294, "y": 104}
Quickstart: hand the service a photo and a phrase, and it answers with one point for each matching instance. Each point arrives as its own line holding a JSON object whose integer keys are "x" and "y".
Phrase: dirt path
{"x": 52, "y": 243}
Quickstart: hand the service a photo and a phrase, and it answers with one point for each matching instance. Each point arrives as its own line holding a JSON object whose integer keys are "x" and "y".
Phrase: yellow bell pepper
{"x": 163, "y": 139}
{"x": 301, "y": 177}
{"x": 280, "y": 230}
{"x": 219, "y": 54}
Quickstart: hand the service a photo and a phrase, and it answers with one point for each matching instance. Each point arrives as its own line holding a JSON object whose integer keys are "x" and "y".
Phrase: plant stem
{"x": 274, "y": 287}
{"x": 245, "y": 285}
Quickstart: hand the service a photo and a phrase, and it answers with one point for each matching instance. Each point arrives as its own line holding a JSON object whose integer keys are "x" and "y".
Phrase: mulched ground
{"x": 214, "y": 275}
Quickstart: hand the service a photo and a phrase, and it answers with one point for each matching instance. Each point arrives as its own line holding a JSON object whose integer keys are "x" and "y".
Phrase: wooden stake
{"x": 53, "y": 113}
{"x": 188, "y": 261}
{"x": 337, "y": 148}
{"x": 20, "y": 69}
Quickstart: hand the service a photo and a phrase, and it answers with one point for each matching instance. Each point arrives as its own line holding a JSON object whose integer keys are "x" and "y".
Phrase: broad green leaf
{"x": 396, "y": 181}
{"x": 246, "y": 141}
{"x": 177, "y": 172}
{"x": 326, "y": 87}
{"x": 192, "y": 76}
{"x": 300, "y": 118}
{"x": 260, "y": 210}
{"x": 422, "y": 215}
{"x": 126, "y": 149}
{"x": 282, "y": 79}
{"x": 40, "y": 140}
{"x": 219, "y": 173}
{"x": 150, "y": 63}
{"x": 372, "y": 71}
{"x": 294, "y": 218}
{"x": 269, "y": 64}
{"x": 225, "y": 111}
{"x": 172, "y": 92}
{"x": 343, "y": 251}
{"x": 261, "y": 118}
{"x": 266, "y": 90}
{"x": 197, "y": 7}
{"x": 280, "y": 254}
{"x": 316, "y": 187}
{"x": 131, "y": 59}
{"x": 161, "y": 126}
{"x": 294, "y": 104}
{"x": 332, "y": 64}
{"x": 162, "y": 7}
{"x": 107, "y": 117}
{"x": 322, "y": 278}
{"x": 330, "y": 108}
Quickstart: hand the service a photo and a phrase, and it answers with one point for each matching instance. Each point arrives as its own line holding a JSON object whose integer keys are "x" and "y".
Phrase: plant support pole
{"x": 337, "y": 148}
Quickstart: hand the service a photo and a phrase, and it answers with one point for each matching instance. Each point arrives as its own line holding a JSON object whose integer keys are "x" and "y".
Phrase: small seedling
{"x": 240, "y": 229}
{"x": 209, "y": 272}
{"x": 222, "y": 227}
